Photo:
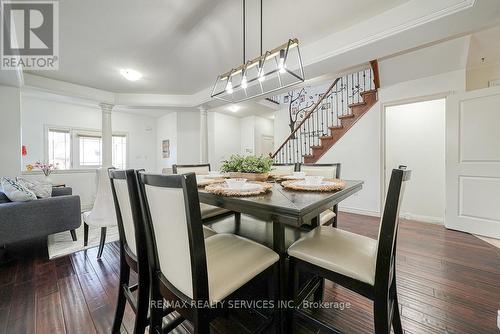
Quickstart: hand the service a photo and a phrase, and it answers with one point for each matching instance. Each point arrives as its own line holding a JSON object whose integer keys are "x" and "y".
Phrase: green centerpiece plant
{"x": 248, "y": 167}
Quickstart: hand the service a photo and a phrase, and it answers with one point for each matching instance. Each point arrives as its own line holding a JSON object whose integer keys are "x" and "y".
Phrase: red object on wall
{"x": 24, "y": 151}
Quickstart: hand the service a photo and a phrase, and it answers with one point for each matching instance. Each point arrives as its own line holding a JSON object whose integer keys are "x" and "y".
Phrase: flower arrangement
{"x": 249, "y": 167}
{"x": 46, "y": 168}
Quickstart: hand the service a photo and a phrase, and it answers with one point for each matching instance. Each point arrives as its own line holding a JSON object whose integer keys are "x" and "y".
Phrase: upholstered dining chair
{"x": 185, "y": 267}
{"x": 284, "y": 168}
{"x": 133, "y": 254}
{"x": 103, "y": 213}
{"x": 208, "y": 212}
{"x": 330, "y": 171}
{"x": 361, "y": 264}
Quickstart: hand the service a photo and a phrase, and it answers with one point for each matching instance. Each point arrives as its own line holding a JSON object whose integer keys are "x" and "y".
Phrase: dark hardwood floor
{"x": 448, "y": 282}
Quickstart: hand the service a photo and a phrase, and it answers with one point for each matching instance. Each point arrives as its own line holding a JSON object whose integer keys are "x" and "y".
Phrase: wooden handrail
{"x": 326, "y": 94}
{"x": 376, "y": 77}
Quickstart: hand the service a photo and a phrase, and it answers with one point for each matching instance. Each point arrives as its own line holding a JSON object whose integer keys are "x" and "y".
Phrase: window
{"x": 90, "y": 154}
{"x": 120, "y": 152}
{"x": 74, "y": 148}
{"x": 59, "y": 148}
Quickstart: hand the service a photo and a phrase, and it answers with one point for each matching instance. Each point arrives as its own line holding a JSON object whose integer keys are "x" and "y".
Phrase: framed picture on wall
{"x": 165, "y": 148}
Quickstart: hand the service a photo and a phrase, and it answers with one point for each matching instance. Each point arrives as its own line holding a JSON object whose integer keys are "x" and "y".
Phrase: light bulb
{"x": 229, "y": 87}
{"x": 262, "y": 76}
{"x": 281, "y": 63}
{"x": 244, "y": 83}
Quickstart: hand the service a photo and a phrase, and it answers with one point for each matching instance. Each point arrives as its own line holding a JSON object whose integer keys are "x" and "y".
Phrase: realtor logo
{"x": 30, "y": 35}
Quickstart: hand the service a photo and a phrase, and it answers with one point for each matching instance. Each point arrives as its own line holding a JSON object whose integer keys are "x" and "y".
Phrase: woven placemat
{"x": 337, "y": 185}
{"x": 206, "y": 182}
{"x": 223, "y": 190}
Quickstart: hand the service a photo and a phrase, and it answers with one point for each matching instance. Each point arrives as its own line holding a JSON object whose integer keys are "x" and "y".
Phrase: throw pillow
{"x": 40, "y": 189}
{"x": 3, "y": 197}
{"x": 16, "y": 191}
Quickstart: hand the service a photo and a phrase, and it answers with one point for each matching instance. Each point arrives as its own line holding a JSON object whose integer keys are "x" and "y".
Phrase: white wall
{"x": 252, "y": 130}
{"x": 263, "y": 127}
{"x": 415, "y": 136}
{"x": 247, "y": 125}
{"x": 188, "y": 137}
{"x": 166, "y": 128}
{"x": 479, "y": 77}
{"x": 10, "y": 136}
{"x": 223, "y": 138}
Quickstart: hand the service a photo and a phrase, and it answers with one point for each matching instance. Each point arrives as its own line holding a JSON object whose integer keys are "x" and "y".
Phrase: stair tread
{"x": 346, "y": 116}
{"x": 316, "y": 146}
{"x": 368, "y": 92}
{"x": 362, "y": 103}
{"x": 326, "y": 137}
{"x": 333, "y": 127}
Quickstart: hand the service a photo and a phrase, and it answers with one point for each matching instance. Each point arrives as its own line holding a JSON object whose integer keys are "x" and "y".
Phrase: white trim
{"x": 62, "y": 171}
{"x": 433, "y": 16}
{"x": 424, "y": 219}
{"x": 358, "y": 211}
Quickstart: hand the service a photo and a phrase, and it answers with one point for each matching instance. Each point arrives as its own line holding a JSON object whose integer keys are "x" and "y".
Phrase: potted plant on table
{"x": 249, "y": 167}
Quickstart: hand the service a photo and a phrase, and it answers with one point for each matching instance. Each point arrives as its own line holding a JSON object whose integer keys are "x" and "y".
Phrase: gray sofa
{"x": 26, "y": 220}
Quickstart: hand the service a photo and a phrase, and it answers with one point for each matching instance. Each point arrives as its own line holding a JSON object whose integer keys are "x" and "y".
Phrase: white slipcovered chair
{"x": 103, "y": 212}
{"x": 328, "y": 171}
{"x": 207, "y": 211}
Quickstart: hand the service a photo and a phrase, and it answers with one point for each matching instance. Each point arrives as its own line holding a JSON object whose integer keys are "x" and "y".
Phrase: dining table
{"x": 283, "y": 208}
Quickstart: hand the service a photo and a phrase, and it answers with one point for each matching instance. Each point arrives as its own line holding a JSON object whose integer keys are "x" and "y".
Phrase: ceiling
{"x": 181, "y": 46}
{"x": 484, "y": 44}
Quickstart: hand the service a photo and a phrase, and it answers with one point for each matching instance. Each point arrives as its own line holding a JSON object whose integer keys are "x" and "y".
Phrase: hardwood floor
{"x": 448, "y": 282}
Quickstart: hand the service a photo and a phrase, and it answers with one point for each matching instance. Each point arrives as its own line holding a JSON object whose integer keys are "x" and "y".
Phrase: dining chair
{"x": 361, "y": 264}
{"x": 133, "y": 254}
{"x": 284, "y": 168}
{"x": 186, "y": 269}
{"x": 103, "y": 213}
{"x": 208, "y": 212}
{"x": 329, "y": 171}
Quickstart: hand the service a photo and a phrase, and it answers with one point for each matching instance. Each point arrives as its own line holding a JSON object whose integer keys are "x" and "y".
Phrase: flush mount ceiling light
{"x": 271, "y": 71}
{"x": 234, "y": 108}
{"x": 130, "y": 75}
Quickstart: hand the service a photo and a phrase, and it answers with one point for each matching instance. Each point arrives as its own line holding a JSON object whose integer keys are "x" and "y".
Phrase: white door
{"x": 267, "y": 145}
{"x": 473, "y": 162}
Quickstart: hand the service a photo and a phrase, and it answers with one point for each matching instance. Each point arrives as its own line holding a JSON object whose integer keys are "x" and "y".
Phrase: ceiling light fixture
{"x": 234, "y": 108}
{"x": 271, "y": 71}
{"x": 130, "y": 75}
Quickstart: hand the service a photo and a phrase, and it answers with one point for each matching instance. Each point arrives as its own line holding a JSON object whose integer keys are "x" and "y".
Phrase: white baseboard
{"x": 409, "y": 216}
{"x": 424, "y": 219}
{"x": 359, "y": 211}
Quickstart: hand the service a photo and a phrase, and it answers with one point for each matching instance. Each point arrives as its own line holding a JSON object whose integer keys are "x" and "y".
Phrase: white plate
{"x": 213, "y": 176}
{"x": 293, "y": 177}
{"x": 304, "y": 184}
{"x": 247, "y": 187}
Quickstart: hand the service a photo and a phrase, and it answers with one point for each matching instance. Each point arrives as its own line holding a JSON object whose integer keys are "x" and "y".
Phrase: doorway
{"x": 267, "y": 145}
{"x": 415, "y": 137}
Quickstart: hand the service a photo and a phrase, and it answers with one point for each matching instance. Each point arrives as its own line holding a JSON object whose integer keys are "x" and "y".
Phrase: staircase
{"x": 346, "y": 100}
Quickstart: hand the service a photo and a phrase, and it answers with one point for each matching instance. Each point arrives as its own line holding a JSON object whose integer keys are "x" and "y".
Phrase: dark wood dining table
{"x": 283, "y": 207}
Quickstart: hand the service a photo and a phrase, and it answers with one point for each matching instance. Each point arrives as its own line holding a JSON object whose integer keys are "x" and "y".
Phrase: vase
{"x": 47, "y": 179}
{"x": 250, "y": 176}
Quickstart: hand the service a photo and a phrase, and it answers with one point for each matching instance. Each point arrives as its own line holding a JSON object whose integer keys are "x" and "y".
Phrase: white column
{"x": 203, "y": 135}
{"x": 107, "y": 135}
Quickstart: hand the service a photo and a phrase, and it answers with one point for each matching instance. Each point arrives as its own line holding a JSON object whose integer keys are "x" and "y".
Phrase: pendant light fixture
{"x": 273, "y": 70}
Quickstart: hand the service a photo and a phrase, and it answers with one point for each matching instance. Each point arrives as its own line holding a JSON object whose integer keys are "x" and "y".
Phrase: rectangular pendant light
{"x": 274, "y": 70}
